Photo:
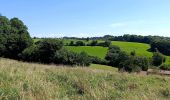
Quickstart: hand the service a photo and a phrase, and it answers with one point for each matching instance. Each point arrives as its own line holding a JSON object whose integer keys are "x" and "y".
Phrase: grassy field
{"x": 140, "y": 48}
{"x": 93, "y": 51}
{"x": 103, "y": 67}
{"x": 28, "y": 81}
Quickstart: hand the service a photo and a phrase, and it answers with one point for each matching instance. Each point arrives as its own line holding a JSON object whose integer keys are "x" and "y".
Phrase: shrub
{"x": 93, "y": 43}
{"x": 107, "y": 43}
{"x": 143, "y": 62}
{"x": 71, "y": 43}
{"x": 64, "y": 56}
{"x": 158, "y": 59}
{"x": 47, "y": 49}
{"x": 165, "y": 67}
{"x": 43, "y": 52}
{"x": 97, "y": 60}
{"x": 30, "y": 54}
{"x": 79, "y": 43}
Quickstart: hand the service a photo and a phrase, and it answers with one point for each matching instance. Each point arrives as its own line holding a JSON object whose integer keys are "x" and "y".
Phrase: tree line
{"x": 106, "y": 43}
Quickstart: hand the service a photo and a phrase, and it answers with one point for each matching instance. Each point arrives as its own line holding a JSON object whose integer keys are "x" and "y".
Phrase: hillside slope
{"x": 141, "y": 49}
{"x": 20, "y": 80}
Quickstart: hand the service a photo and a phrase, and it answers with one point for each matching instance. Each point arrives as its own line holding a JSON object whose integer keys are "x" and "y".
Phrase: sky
{"x": 89, "y": 18}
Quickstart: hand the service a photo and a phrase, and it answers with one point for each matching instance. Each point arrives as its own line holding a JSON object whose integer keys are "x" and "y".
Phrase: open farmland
{"x": 140, "y": 48}
{"x": 93, "y": 51}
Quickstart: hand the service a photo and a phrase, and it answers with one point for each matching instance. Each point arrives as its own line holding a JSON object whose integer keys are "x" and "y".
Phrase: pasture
{"x": 92, "y": 51}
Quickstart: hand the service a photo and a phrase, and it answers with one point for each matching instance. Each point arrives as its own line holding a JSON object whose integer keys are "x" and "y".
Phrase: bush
{"x": 79, "y": 43}
{"x": 71, "y": 43}
{"x": 64, "y": 56}
{"x": 158, "y": 59}
{"x": 93, "y": 43}
{"x": 30, "y": 54}
{"x": 107, "y": 43}
{"x": 165, "y": 67}
{"x": 47, "y": 49}
{"x": 43, "y": 52}
{"x": 97, "y": 60}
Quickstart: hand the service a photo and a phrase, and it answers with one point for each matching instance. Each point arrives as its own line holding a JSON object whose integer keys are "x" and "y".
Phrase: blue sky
{"x": 83, "y": 18}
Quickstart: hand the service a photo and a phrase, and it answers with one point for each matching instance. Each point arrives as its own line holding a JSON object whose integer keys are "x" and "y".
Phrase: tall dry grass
{"x": 28, "y": 81}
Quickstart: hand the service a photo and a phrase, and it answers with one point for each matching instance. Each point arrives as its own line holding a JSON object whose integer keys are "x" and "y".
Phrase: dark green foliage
{"x": 157, "y": 59}
{"x": 107, "y": 43}
{"x": 115, "y": 56}
{"x": 165, "y": 67}
{"x": 97, "y": 60}
{"x": 64, "y": 56}
{"x": 143, "y": 62}
{"x": 43, "y": 52}
{"x": 14, "y": 37}
{"x": 134, "y": 64}
{"x": 125, "y": 62}
{"x": 133, "y": 53}
{"x": 47, "y": 49}
{"x": 79, "y": 43}
{"x": 83, "y": 59}
{"x": 93, "y": 43}
{"x": 87, "y": 39}
{"x": 31, "y": 54}
{"x": 129, "y": 65}
{"x": 162, "y": 46}
{"x": 71, "y": 43}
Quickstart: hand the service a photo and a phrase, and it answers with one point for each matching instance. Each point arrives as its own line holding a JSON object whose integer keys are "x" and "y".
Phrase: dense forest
{"x": 16, "y": 43}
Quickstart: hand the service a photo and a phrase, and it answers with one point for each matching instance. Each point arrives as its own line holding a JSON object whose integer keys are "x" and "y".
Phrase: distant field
{"x": 140, "y": 48}
{"x": 36, "y": 40}
{"x": 93, "y": 51}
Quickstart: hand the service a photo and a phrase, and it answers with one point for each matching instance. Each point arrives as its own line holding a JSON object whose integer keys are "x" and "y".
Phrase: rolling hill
{"x": 141, "y": 49}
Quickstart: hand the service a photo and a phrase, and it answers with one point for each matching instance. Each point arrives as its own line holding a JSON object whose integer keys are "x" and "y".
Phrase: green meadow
{"x": 93, "y": 51}
{"x": 141, "y": 49}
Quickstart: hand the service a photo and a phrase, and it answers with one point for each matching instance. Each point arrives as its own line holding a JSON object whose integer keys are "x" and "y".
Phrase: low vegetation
{"x": 30, "y": 81}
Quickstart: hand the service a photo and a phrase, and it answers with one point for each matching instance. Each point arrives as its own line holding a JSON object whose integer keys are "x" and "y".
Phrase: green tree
{"x": 14, "y": 37}
{"x": 157, "y": 59}
{"x": 93, "y": 43}
{"x": 47, "y": 49}
{"x": 71, "y": 43}
{"x": 80, "y": 43}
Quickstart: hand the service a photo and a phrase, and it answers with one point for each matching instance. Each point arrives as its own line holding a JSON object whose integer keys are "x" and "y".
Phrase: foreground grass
{"x": 28, "y": 81}
{"x": 103, "y": 67}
